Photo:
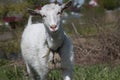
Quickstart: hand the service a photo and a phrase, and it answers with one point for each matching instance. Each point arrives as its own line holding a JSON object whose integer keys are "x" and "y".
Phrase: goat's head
{"x": 51, "y": 14}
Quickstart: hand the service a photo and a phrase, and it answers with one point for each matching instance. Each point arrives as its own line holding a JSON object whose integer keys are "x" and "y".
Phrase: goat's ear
{"x": 66, "y": 5}
{"x": 33, "y": 12}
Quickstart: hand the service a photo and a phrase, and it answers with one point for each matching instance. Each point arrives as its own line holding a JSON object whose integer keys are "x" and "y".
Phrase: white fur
{"x": 36, "y": 40}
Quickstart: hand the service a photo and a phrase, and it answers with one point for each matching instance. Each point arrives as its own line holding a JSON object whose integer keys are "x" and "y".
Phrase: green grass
{"x": 93, "y": 72}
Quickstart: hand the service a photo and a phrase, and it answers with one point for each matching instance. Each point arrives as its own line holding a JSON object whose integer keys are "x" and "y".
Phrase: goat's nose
{"x": 53, "y": 27}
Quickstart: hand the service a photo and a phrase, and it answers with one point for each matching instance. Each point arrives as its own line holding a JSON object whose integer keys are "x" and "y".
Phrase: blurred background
{"x": 93, "y": 26}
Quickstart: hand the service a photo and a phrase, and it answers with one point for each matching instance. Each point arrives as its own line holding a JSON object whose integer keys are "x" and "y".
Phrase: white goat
{"x": 38, "y": 38}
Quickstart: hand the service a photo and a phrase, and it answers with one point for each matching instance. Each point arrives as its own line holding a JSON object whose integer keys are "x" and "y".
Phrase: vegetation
{"x": 13, "y": 9}
{"x": 94, "y": 72}
{"x": 110, "y": 5}
{"x": 97, "y": 45}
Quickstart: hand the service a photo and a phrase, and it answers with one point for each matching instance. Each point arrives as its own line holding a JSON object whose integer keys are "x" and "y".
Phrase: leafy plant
{"x": 110, "y": 4}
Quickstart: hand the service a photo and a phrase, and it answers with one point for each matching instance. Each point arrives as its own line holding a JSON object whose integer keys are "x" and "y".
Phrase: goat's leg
{"x": 30, "y": 72}
{"x": 67, "y": 58}
{"x": 43, "y": 76}
{"x": 67, "y": 74}
{"x": 43, "y": 73}
{"x": 67, "y": 68}
{"x": 42, "y": 69}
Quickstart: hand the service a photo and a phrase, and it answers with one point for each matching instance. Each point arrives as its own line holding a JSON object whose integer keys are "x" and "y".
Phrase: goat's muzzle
{"x": 53, "y": 27}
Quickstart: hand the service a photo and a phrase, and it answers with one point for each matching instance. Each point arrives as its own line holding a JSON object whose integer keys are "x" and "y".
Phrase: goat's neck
{"x": 56, "y": 35}
{"x": 55, "y": 39}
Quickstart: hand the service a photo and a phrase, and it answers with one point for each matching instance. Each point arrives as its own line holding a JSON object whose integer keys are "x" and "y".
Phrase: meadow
{"x": 92, "y": 72}
{"x": 96, "y": 47}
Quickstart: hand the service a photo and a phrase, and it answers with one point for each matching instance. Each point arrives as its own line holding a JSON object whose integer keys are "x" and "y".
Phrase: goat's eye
{"x": 43, "y": 16}
{"x": 58, "y": 13}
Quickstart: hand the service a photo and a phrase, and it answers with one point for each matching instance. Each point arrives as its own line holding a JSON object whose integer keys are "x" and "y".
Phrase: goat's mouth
{"x": 53, "y": 28}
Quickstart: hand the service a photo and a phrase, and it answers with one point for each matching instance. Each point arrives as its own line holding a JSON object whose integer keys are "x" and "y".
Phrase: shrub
{"x": 109, "y": 4}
